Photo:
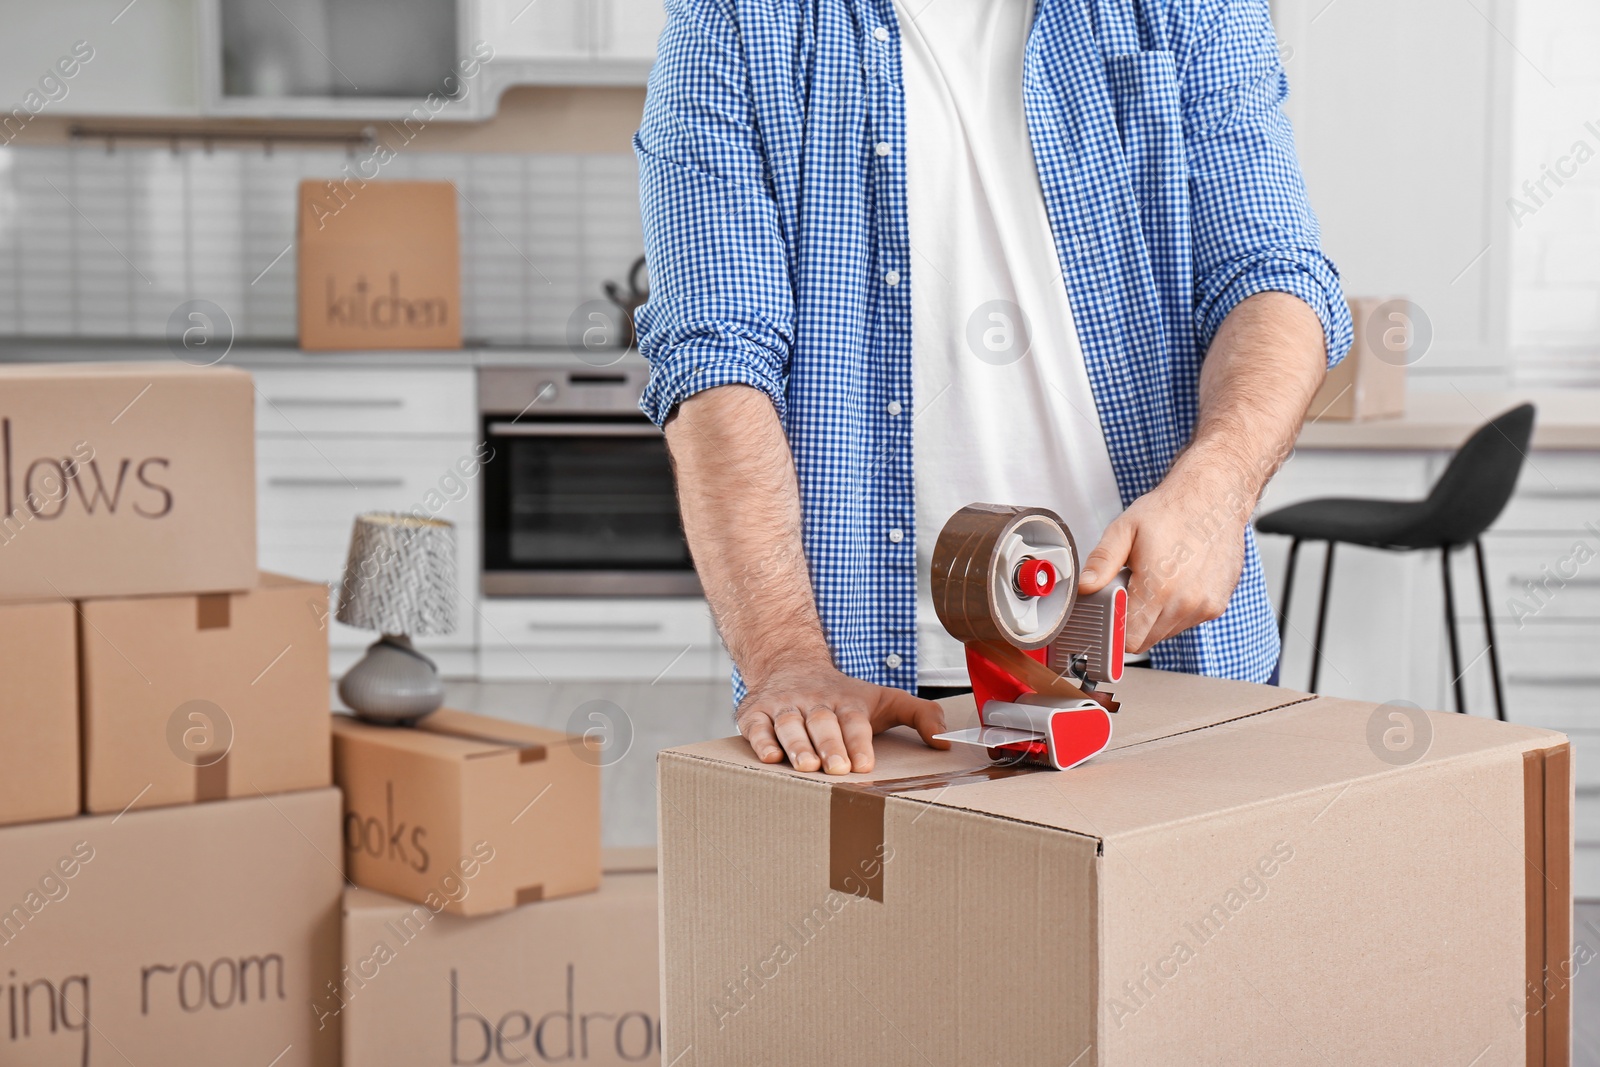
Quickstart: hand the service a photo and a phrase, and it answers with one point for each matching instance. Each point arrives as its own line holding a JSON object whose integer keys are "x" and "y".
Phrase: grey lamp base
{"x": 393, "y": 684}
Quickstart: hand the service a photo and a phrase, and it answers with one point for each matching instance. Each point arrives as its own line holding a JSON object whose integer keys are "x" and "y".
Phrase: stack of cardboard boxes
{"x": 149, "y": 666}
{"x": 175, "y": 867}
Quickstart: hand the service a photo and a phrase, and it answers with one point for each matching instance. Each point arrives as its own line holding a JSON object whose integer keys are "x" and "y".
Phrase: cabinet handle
{"x": 1560, "y": 494}
{"x": 335, "y": 402}
{"x": 1582, "y": 581}
{"x": 337, "y": 483}
{"x": 1554, "y": 681}
{"x": 597, "y": 627}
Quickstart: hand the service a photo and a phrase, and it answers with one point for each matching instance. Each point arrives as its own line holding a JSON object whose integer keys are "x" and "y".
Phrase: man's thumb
{"x": 1108, "y": 557}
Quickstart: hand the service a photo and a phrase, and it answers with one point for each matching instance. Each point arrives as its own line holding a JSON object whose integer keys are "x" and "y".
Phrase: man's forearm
{"x": 741, "y": 512}
{"x": 1263, "y": 367}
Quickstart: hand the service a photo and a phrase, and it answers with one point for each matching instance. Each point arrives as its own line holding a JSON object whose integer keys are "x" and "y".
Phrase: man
{"x": 911, "y": 254}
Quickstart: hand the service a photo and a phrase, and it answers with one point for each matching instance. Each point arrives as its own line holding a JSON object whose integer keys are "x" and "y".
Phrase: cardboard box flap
{"x": 1158, "y": 704}
{"x": 1309, "y": 745}
{"x": 465, "y": 736}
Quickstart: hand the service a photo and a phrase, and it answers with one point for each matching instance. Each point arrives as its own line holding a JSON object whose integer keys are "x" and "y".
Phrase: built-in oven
{"x": 578, "y": 493}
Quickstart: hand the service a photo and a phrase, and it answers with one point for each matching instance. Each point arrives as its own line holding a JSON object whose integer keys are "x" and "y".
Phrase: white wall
{"x": 1400, "y": 115}
{"x": 1555, "y": 290}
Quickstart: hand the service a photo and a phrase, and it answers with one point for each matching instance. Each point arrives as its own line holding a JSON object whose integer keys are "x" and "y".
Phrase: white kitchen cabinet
{"x": 143, "y": 60}
{"x": 335, "y": 441}
{"x": 554, "y": 639}
{"x": 569, "y": 42}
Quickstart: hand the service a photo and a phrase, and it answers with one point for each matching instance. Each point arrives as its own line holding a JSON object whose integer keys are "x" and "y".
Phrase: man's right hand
{"x": 821, "y": 719}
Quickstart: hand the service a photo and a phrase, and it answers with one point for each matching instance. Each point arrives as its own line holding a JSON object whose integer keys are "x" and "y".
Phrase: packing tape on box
{"x": 212, "y": 611}
{"x": 855, "y": 822}
{"x": 1547, "y": 836}
{"x": 527, "y": 751}
{"x": 975, "y": 566}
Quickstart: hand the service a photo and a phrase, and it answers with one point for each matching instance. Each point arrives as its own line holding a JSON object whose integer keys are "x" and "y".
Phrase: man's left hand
{"x": 1184, "y": 541}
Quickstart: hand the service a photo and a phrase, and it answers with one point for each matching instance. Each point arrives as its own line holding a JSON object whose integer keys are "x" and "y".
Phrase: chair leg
{"x": 1450, "y": 628}
{"x": 1488, "y": 629}
{"x": 1322, "y": 617}
{"x": 1288, "y": 587}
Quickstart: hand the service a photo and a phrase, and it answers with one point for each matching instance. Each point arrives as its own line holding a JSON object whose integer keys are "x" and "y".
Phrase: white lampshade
{"x": 400, "y": 576}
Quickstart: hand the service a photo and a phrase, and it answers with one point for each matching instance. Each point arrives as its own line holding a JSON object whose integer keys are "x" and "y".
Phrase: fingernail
{"x": 838, "y": 765}
{"x": 1090, "y": 576}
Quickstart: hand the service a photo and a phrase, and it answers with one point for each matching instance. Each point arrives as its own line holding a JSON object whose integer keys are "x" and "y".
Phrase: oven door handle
{"x": 573, "y": 429}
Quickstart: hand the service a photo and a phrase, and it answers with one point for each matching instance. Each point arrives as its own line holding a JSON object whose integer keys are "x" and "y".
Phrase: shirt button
{"x": 895, "y": 408}
{"x": 892, "y": 661}
{"x": 892, "y": 279}
{"x": 881, "y": 33}
{"x": 896, "y": 535}
{"x": 883, "y": 148}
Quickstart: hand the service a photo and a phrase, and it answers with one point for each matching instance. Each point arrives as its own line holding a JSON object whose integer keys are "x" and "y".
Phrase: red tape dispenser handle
{"x": 1005, "y": 584}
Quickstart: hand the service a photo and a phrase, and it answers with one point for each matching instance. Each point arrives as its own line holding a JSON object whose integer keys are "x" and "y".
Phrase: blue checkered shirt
{"x": 773, "y": 187}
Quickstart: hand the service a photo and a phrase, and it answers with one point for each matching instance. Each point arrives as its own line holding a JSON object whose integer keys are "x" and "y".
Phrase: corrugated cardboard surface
{"x": 38, "y": 712}
{"x": 200, "y": 934}
{"x": 1265, "y": 889}
{"x": 379, "y": 265}
{"x": 571, "y": 980}
{"x": 258, "y": 659}
{"x": 142, "y": 478}
{"x": 420, "y": 801}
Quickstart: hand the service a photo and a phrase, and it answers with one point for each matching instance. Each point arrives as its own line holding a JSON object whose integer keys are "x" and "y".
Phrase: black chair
{"x": 1468, "y": 497}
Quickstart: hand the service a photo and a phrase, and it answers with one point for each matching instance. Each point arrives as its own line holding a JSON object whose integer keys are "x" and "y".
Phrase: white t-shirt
{"x": 1003, "y": 412}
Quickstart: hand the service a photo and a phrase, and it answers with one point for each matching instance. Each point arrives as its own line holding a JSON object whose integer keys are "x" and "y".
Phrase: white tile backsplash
{"x": 107, "y": 243}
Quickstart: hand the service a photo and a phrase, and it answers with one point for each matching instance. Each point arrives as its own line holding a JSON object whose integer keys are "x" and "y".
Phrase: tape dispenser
{"x": 1005, "y": 584}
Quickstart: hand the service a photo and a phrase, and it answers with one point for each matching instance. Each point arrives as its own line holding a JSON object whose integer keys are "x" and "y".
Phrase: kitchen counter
{"x": 1568, "y": 419}
{"x": 32, "y": 350}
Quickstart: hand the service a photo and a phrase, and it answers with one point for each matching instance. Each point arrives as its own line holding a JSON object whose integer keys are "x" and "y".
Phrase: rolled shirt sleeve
{"x": 721, "y": 307}
{"x": 1253, "y": 228}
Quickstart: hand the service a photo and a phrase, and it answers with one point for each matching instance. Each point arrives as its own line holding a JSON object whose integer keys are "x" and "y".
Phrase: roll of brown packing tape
{"x": 976, "y": 562}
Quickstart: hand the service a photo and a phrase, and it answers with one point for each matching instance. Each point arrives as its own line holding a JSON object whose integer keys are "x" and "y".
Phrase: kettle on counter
{"x": 629, "y": 300}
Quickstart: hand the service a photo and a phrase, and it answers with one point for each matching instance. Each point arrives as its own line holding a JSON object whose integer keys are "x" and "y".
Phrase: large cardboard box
{"x": 563, "y": 981}
{"x": 38, "y": 711}
{"x": 186, "y": 937}
{"x": 1246, "y": 876}
{"x": 512, "y": 809}
{"x": 118, "y": 479}
{"x": 380, "y": 265}
{"x": 1370, "y": 382}
{"x": 193, "y": 698}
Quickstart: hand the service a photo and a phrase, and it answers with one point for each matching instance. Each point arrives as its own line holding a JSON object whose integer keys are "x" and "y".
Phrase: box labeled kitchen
{"x": 1244, "y": 876}
{"x": 119, "y": 479}
{"x": 196, "y": 698}
{"x": 508, "y": 813}
{"x": 564, "y": 981}
{"x": 1370, "y": 382}
{"x": 38, "y": 711}
{"x": 380, "y": 265}
{"x": 187, "y": 937}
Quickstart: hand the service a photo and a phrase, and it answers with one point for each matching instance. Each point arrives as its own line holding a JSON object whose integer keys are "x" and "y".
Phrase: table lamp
{"x": 400, "y": 580}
